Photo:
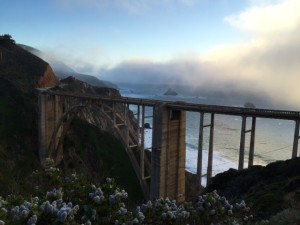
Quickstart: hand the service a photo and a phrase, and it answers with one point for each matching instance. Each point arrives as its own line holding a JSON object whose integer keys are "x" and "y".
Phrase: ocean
{"x": 273, "y": 138}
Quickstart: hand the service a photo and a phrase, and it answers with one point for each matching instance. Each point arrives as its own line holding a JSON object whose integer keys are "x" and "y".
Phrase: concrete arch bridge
{"x": 161, "y": 173}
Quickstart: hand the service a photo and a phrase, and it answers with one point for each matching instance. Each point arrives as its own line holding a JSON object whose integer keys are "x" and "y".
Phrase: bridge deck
{"x": 216, "y": 109}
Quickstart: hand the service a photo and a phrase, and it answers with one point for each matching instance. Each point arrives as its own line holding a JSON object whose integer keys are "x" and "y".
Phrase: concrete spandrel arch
{"x": 101, "y": 119}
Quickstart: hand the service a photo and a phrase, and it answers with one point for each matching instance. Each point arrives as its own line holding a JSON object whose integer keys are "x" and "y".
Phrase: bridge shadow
{"x": 98, "y": 154}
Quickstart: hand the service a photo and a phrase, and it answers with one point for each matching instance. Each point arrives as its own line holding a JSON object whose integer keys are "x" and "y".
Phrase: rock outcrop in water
{"x": 171, "y": 91}
{"x": 249, "y": 105}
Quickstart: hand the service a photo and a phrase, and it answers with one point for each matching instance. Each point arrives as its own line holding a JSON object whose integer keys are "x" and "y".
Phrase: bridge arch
{"x": 56, "y": 112}
{"x": 89, "y": 112}
{"x": 161, "y": 173}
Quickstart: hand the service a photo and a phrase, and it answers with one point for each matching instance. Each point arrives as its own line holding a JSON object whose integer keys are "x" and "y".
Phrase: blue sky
{"x": 156, "y": 30}
{"x": 253, "y": 44}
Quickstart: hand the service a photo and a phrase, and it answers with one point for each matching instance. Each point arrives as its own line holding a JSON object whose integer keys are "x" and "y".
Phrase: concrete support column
{"x": 114, "y": 113}
{"x": 51, "y": 109}
{"x": 200, "y": 149}
{"x": 242, "y": 144}
{"x": 210, "y": 148}
{"x": 58, "y": 112}
{"x": 142, "y": 156}
{"x": 168, "y": 153}
{"x": 296, "y": 139}
{"x": 252, "y": 141}
{"x": 42, "y": 126}
{"x": 126, "y": 128}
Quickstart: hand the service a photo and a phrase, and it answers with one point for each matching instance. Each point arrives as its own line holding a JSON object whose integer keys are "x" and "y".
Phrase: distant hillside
{"x": 62, "y": 70}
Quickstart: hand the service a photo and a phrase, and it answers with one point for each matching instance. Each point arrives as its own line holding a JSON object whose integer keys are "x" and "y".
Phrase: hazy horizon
{"x": 249, "y": 45}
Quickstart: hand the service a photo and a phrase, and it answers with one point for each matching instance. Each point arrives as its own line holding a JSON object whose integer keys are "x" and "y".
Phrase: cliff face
{"x": 24, "y": 70}
{"x": 48, "y": 79}
{"x": 71, "y": 84}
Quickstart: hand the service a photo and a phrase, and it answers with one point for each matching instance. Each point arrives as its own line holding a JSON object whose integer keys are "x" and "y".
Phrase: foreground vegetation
{"x": 56, "y": 199}
{"x": 59, "y": 199}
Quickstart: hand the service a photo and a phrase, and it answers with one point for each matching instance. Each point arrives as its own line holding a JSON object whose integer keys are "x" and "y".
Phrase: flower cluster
{"x": 55, "y": 194}
{"x": 78, "y": 202}
{"x": 97, "y": 195}
{"x": 161, "y": 211}
{"x": 118, "y": 196}
{"x": 213, "y": 207}
{"x": 60, "y": 210}
{"x": 20, "y": 213}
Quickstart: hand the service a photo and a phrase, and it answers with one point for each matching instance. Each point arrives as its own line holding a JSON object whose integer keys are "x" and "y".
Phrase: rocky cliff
{"x": 48, "y": 79}
{"x": 268, "y": 190}
{"x": 24, "y": 70}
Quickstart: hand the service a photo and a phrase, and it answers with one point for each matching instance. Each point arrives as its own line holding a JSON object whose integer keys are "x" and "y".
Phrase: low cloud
{"x": 270, "y": 59}
{"x": 267, "y": 64}
{"x": 267, "y": 20}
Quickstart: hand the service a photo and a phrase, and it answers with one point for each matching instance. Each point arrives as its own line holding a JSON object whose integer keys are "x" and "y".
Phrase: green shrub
{"x": 288, "y": 216}
{"x": 72, "y": 200}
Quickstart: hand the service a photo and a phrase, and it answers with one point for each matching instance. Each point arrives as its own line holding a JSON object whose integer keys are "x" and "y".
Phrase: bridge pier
{"x": 142, "y": 159}
{"x": 50, "y": 112}
{"x": 200, "y": 149}
{"x": 296, "y": 139}
{"x": 252, "y": 142}
{"x": 242, "y": 142}
{"x": 210, "y": 148}
{"x": 42, "y": 127}
{"x": 168, "y": 154}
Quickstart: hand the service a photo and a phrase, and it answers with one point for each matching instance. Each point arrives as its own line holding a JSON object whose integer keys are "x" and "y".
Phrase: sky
{"x": 247, "y": 45}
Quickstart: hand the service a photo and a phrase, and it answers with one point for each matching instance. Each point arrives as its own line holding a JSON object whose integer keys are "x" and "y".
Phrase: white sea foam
{"x": 220, "y": 163}
{"x": 148, "y": 138}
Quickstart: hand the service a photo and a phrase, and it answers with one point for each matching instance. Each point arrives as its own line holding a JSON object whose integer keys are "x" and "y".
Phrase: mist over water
{"x": 273, "y": 139}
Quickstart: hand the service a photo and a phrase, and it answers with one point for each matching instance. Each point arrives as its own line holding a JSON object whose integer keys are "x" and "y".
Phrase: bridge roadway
{"x": 192, "y": 107}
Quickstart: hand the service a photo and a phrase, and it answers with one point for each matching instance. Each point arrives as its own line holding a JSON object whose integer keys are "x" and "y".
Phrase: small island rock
{"x": 249, "y": 105}
{"x": 171, "y": 91}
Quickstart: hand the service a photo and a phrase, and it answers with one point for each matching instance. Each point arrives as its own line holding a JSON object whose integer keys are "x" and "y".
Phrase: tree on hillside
{"x": 6, "y": 39}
